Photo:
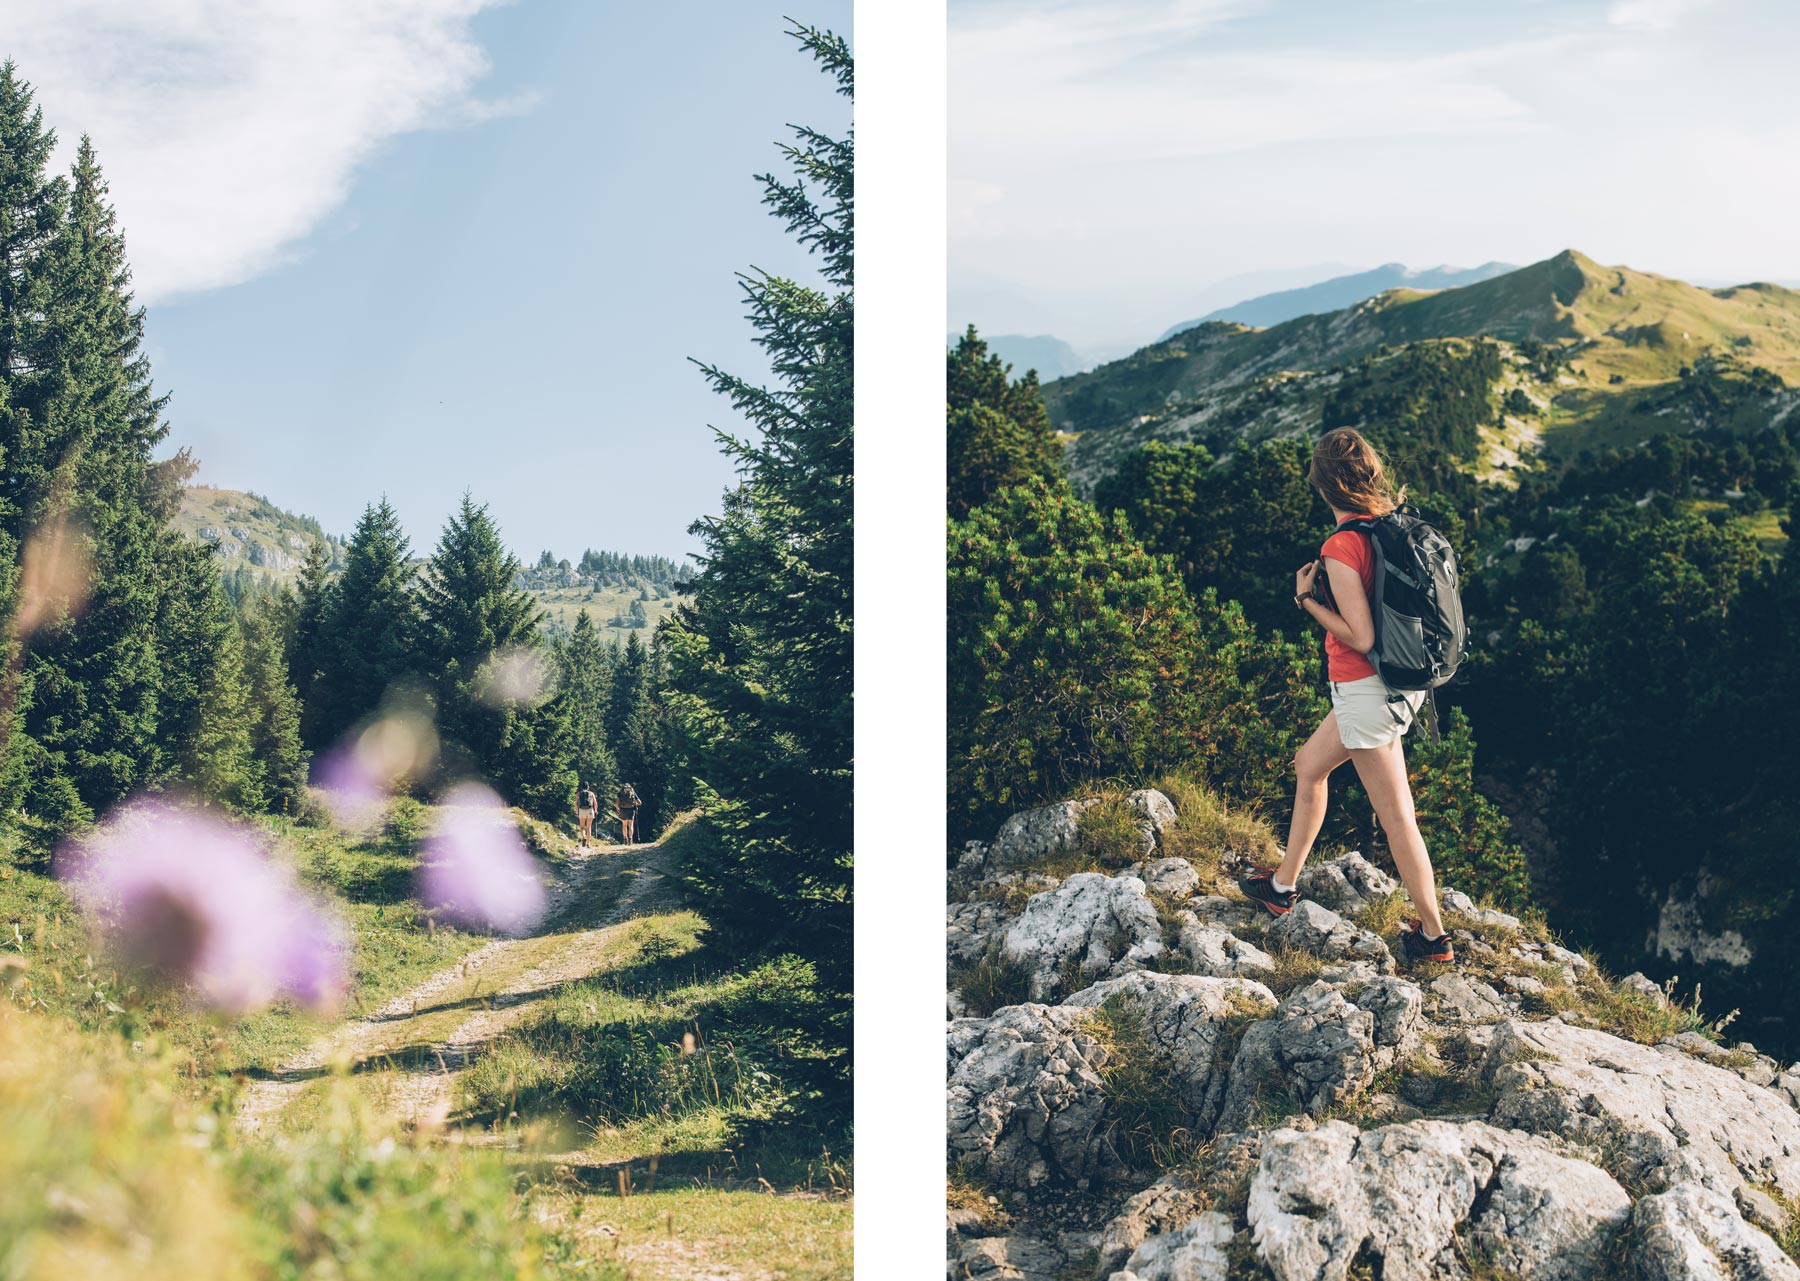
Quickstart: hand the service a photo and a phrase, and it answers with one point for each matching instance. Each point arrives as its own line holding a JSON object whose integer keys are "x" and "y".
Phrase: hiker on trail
{"x": 587, "y": 804}
{"x": 1369, "y": 717}
{"x": 628, "y": 806}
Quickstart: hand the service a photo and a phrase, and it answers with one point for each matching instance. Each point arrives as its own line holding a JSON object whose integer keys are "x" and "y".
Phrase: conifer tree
{"x": 585, "y": 663}
{"x": 998, "y": 431}
{"x": 274, "y": 706}
{"x": 304, "y": 635}
{"x": 81, "y": 418}
{"x": 471, "y": 618}
{"x": 761, "y": 658}
{"x": 206, "y": 731}
{"x": 369, "y": 629}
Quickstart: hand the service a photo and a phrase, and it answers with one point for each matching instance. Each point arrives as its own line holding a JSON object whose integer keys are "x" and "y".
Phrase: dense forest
{"x": 1631, "y": 609}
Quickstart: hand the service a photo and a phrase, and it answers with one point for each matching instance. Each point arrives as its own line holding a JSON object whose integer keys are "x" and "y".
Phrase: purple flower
{"x": 350, "y": 790}
{"x": 476, "y": 869}
{"x": 193, "y": 898}
{"x": 357, "y": 776}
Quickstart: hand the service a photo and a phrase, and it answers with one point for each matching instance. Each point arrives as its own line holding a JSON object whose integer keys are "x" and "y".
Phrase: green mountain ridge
{"x": 259, "y": 546}
{"x": 1598, "y": 355}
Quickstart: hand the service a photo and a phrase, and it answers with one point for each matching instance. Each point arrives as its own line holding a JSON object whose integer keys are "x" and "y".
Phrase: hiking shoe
{"x": 1259, "y": 885}
{"x": 1423, "y": 951}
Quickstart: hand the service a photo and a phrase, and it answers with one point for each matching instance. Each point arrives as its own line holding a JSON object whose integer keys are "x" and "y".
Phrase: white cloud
{"x": 1650, "y": 15}
{"x": 228, "y": 129}
{"x": 1101, "y": 178}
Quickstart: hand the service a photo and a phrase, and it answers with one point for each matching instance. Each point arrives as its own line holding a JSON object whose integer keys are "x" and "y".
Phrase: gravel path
{"x": 423, "y": 1038}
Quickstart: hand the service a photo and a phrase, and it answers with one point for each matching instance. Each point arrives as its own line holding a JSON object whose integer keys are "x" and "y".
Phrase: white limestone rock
{"x": 1092, "y": 925}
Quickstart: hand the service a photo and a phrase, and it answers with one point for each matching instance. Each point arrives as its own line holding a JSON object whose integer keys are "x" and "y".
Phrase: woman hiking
{"x": 586, "y": 806}
{"x": 1367, "y": 719}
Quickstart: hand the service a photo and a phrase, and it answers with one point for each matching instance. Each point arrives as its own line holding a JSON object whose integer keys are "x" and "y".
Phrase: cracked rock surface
{"x": 1089, "y": 927}
{"x": 1666, "y": 1118}
{"x": 1306, "y": 1111}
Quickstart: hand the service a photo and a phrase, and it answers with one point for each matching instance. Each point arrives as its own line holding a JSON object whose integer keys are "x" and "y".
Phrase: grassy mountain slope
{"x": 1620, "y": 340}
{"x": 250, "y": 530}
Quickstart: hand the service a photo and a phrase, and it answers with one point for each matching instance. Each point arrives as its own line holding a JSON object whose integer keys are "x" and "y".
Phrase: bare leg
{"x": 1313, "y": 763}
{"x": 1383, "y": 774}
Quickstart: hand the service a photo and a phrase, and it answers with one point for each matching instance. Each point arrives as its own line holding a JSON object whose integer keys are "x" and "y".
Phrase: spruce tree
{"x": 472, "y": 617}
{"x": 206, "y": 730}
{"x": 586, "y": 669}
{"x": 761, "y": 657}
{"x": 369, "y": 629}
{"x": 80, "y": 421}
{"x": 998, "y": 433}
{"x": 304, "y": 636}
{"x": 274, "y": 706}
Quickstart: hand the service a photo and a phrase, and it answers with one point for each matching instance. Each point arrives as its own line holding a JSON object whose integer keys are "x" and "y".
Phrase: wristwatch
{"x": 1300, "y": 601}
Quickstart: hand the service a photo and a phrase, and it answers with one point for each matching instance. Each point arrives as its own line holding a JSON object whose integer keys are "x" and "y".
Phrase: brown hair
{"x": 1349, "y": 474}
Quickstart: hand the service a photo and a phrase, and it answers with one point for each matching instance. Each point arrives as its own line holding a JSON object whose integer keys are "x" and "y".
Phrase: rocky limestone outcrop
{"x": 1038, "y": 835}
{"x": 1089, "y": 927}
{"x": 969, "y": 929}
{"x": 1402, "y": 1193}
{"x": 1005, "y": 1258}
{"x": 1211, "y": 950}
{"x": 1170, "y": 877}
{"x": 1502, "y": 1142}
{"x": 1658, "y": 1115}
{"x": 1310, "y": 927}
{"x": 1321, "y": 1049}
{"x": 1025, "y": 1098}
{"x": 1692, "y": 1233}
{"x": 1189, "y": 1019}
{"x": 1346, "y": 884}
{"x": 1196, "y": 1251}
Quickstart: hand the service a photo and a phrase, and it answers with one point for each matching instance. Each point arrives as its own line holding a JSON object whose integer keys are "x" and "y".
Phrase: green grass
{"x": 1149, "y": 1122}
{"x": 368, "y": 880}
{"x": 712, "y": 1063}
{"x": 112, "y": 1172}
{"x": 993, "y": 982}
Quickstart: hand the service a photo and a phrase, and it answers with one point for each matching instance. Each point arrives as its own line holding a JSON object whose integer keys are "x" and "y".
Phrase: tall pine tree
{"x": 586, "y": 670}
{"x": 761, "y": 657}
{"x": 474, "y": 621}
{"x": 367, "y": 632}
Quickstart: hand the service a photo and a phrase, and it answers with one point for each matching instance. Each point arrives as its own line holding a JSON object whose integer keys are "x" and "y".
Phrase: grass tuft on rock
{"x": 1149, "y": 1123}
{"x": 994, "y": 982}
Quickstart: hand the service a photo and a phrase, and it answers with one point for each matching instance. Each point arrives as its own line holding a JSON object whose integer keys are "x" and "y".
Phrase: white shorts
{"x": 1369, "y": 714}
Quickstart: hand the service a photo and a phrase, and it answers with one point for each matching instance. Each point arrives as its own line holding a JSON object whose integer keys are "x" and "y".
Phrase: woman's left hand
{"x": 1303, "y": 581}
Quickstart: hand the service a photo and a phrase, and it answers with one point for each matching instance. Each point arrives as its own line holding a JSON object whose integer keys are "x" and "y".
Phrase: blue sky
{"x": 438, "y": 245}
{"x": 1112, "y": 160}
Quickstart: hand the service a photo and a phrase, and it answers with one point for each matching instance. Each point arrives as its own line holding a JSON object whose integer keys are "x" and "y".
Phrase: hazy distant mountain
{"x": 1340, "y": 292}
{"x": 1051, "y": 357}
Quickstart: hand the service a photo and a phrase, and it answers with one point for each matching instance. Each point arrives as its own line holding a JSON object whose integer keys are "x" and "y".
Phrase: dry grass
{"x": 1382, "y": 917}
{"x": 1149, "y": 1122}
{"x": 995, "y": 981}
{"x": 1207, "y": 827}
{"x": 1294, "y": 969}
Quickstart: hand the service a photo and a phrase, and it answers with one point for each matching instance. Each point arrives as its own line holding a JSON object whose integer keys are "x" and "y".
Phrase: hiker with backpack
{"x": 628, "y": 806}
{"x": 1389, "y": 602}
{"x": 587, "y": 804}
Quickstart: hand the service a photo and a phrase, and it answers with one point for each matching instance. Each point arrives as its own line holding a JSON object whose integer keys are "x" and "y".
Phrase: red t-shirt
{"x": 1352, "y": 548}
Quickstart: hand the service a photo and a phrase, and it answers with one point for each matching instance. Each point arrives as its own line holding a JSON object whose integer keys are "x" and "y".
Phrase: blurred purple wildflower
{"x": 476, "y": 869}
{"x": 356, "y": 777}
{"x": 349, "y": 788}
{"x": 194, "y": 899}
